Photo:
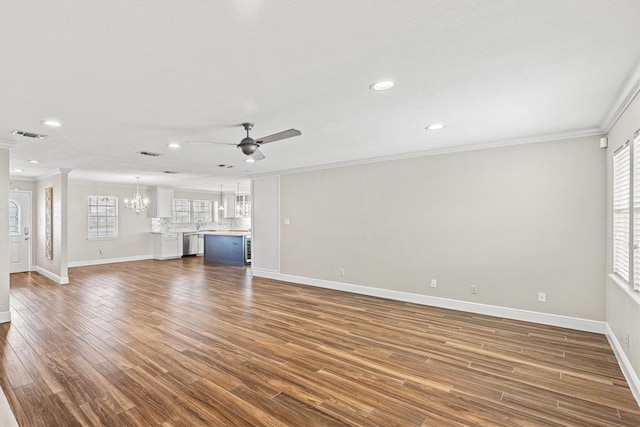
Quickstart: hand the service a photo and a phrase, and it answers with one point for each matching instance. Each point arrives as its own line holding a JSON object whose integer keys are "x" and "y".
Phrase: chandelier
{"x": 137, "y": 204}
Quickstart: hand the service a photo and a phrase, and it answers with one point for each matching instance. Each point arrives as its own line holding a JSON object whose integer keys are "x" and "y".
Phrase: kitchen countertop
{"x": 225, "y": 233}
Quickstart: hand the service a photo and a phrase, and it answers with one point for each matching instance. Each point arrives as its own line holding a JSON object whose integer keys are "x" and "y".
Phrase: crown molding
{"x": 7, "y": 144}
{"x": 577, "y": 133}
{"x": 625, "y": 95}
{"x": 53, "y": 173}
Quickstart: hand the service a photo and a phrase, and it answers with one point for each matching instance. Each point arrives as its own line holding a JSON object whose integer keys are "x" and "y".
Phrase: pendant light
{"x": 137, "y": 204}
{"x": 221, "y": 208}
{"x": 238, "y": 205}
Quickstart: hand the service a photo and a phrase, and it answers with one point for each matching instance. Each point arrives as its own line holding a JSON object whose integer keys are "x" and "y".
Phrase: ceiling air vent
{"x": 170, "y": 172}
{"x": 29, "y": 134}
{"x": 148, "y": 153}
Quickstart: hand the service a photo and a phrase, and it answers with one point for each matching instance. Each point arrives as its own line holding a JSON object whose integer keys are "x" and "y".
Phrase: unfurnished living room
{"x": 320, "y": 213}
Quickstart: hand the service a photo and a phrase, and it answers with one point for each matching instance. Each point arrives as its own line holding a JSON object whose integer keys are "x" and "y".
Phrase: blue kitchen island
{"x": 232, "y": 248}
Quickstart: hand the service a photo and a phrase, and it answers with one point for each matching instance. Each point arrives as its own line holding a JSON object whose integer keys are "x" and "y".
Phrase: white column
{"x": 5, "y": 314}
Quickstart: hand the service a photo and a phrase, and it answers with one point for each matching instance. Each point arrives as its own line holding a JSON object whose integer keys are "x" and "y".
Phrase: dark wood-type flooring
{"x": 183, "y": 343}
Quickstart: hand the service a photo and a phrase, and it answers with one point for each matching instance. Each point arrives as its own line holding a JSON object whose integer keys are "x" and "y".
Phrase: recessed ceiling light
{"x": 174, "y": 145}
{"x": 52, "y": 123}
{"x": 435, "y": 126}
{"x": 382, "y": 85}
{"x": 18, "y": 170}
{"x": 34, "y": 161}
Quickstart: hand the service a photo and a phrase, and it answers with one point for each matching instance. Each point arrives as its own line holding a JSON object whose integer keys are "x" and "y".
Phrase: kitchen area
{"x": 214, "y": 226}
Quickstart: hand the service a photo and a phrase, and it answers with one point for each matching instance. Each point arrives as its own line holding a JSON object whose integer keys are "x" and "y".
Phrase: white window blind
{"x": 636, "y": 212}
{"x": 621, "y": 210}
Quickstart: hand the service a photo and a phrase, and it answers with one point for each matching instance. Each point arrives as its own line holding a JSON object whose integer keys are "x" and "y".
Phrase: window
{"x": 621, "y": 195}
{"x": 14, "y": 218}
{"x": 181, "y": 211}
{"x": 626, "y": 221}
{"x": 103, "y": 217}
{"x": 201, "y": 210}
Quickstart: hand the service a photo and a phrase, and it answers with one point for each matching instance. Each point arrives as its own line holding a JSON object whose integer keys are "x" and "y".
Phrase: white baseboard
{"x": 7, "y": 419}
{"x": 109, "y": 260}
{"x": 625, "y": 364}
{"x": 471, "y": 307}
{"x": 58, "y": 279}
{"x": 5, "y": 316}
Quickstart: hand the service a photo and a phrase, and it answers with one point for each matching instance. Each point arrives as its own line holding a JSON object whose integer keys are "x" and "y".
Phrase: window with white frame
{"x": 626, "y": 212}
{"x": 14, "y": 218}
{"x": 201, "y": 210}
{"x": 103, "y": 217}
{"x": 181, "y": 211}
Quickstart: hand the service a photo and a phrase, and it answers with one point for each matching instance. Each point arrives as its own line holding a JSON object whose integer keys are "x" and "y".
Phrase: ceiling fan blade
{"x": 257, "y": 155}
{"x": 278, "y": 136}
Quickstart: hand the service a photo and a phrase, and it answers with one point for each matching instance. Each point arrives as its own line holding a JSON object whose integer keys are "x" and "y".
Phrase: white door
{"x": 19, "y": 231}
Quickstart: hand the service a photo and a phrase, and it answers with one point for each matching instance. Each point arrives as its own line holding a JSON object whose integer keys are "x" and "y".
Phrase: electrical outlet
{"x": 341, "y": 272}
{"x": 626, "y": 341}
{"x": 542, "y": 297}
{"x": 474, "y": 289}
{"x": 434, "y": 283}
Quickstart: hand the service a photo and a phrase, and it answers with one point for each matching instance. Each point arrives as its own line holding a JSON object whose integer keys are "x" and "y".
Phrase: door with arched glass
{"x": 19, "y": 231}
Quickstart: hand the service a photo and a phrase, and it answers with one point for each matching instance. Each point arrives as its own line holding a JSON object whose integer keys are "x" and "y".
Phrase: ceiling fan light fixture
{"x": 250, "y": 160}
{"x": 382, "y": 85}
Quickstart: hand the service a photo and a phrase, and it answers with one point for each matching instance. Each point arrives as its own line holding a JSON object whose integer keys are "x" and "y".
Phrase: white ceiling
{"x": 125, "y": 76}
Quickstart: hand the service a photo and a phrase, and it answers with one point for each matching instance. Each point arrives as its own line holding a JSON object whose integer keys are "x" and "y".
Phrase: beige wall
{"x": 58, "y": 265}
{"x": 623, "y": 306}
{"x": 134, "y": 231}
{"x": 512, "y": 220}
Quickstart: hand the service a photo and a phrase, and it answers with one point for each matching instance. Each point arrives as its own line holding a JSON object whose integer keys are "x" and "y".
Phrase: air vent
{"x": 29, "y": 134}
{"x": 149, "y": 153}
{"x": 170, "y": 172}
{"x": 225, "y": 166}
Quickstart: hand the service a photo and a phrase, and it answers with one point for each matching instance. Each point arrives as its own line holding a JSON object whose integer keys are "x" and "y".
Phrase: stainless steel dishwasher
{"x": 189, "y": 244}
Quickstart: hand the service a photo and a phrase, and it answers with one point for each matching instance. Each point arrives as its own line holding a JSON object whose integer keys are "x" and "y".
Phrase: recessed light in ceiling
{"x": 51, "y": 122}
{"x": 28, "y": 134}
{"x": 174, "y": 145}
{"x": 34, "y": 161}
{"x": 435, "y": 126}
{"x": 382, "y": 85}
{"x": 18, "y": 170}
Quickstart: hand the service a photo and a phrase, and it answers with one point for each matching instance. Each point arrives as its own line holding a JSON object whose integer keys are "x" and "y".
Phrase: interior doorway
{"x": 20, "y": 231}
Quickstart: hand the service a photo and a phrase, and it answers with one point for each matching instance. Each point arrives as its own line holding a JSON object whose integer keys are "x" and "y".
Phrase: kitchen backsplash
{"x": 161, "y": 225}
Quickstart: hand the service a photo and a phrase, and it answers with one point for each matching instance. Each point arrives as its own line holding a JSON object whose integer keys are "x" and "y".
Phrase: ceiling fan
{"x": 250, "y": 146}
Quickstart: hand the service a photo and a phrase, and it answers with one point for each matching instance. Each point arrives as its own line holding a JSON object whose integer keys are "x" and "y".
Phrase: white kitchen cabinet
{"x": 167, "y": 245}
{"x": 237, "y": 205}
{"x": 163, "y": 202}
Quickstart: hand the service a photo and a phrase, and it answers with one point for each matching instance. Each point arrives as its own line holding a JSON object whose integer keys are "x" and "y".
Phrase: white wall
{"x": 513, "y": 220}
{"x": 623, "y": 306}
{"x": 266, "y": 219}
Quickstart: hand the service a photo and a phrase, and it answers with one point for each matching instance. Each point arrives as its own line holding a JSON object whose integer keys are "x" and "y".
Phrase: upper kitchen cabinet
{"x": 162, "y": 202}
{"x": 237, "y": 205}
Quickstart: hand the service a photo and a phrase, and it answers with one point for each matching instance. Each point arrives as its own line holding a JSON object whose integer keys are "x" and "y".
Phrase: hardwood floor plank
{"x": 184, "y": 343}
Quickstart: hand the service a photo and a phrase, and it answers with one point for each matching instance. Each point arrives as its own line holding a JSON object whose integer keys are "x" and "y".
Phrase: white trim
{"x": 576, "y": 133}
{"x": 58, "y": 279}
{"x": 7, "y": 419}
{"x": 471, "y": 307}
{"x": 7, "y": 144}
{"x": 625, "y": 95}
{"x": 625, "y": 365}
{"x": 5, "y": 316}
{"x": 109, "y": 260}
